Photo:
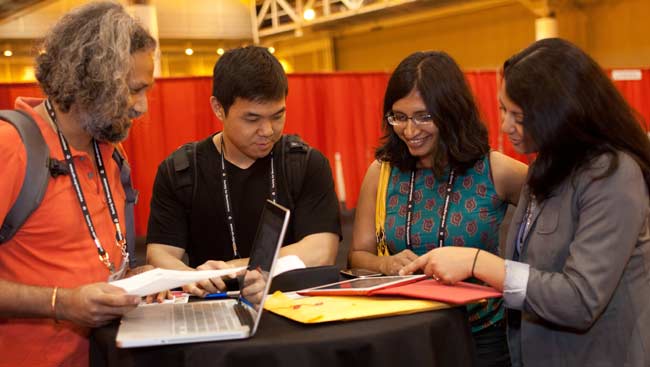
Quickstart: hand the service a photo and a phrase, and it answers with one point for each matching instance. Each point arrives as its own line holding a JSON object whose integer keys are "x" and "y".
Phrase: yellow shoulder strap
{"x": 380, "y": 208}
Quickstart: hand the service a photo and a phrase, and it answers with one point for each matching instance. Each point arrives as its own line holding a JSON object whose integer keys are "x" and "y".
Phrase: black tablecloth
{"x": 435, "y": 338}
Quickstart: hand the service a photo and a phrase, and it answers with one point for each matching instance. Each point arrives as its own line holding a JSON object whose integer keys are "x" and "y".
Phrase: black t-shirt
{"x": 203, "y": 232}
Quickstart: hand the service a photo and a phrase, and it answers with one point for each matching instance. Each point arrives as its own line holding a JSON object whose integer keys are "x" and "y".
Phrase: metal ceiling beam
{"x": 426, "y": 15}
{"x": 11, "y": 9}
{"x": 287, "y": 15}
{"x": 413, "y": 16}
{"x": 540, "y": 8}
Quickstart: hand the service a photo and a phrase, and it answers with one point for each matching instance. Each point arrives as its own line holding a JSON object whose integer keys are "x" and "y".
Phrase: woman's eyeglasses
{"x": 401, "y": 119}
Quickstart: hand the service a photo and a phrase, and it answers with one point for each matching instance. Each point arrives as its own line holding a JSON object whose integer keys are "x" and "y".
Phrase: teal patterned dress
{"x": 475, "y": 213}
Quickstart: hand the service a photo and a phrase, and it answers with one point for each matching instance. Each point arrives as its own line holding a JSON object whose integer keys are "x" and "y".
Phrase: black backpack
{"x": 293, "y": 152}
{"x": 40, "y": 166}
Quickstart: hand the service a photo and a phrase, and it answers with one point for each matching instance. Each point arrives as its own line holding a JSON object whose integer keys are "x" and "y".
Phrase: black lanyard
{"x": 226, "y": 197}
{"x": 445, "y": 209}
{"x": 119, "y": 237}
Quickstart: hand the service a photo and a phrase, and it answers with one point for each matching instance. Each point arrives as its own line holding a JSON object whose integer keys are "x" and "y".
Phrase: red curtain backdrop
{"x": 179, "y": 112}
{"x": 336, "y": 113}
{"x": 9, "y": 93}
{"x": 339, "y": 113}
{"x": 637, "y": 94}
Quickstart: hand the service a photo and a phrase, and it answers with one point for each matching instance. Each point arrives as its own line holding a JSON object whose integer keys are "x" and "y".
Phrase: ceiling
{"x": 11, "y": 7}
{"x": 230, "y": 20}
{"x": 196, "y": 19}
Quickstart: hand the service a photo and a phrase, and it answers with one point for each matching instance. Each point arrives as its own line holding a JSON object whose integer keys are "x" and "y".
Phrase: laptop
{"x": 225, "y": 319}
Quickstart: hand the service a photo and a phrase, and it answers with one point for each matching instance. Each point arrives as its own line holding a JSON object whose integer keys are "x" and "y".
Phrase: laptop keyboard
{"x": 200, "y": 317}
{"x": 244, "y": 316}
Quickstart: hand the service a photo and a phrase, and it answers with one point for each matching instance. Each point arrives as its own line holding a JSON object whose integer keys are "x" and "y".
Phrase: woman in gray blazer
{"x": 576, "y": 278}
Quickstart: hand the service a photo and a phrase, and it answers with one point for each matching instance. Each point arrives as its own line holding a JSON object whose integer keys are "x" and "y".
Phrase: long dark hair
{"x": 573, "y": 113}
{"x": 462, "y": 139}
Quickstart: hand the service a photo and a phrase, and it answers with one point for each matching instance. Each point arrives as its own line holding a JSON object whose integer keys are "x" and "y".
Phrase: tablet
{"x": 360, "y": 286}
{"x": 359, "y": 273}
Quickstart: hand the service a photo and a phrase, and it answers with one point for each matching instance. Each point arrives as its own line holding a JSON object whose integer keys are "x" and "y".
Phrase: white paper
{"x": 286, "y": 263}
{"x": 158, "y": 280}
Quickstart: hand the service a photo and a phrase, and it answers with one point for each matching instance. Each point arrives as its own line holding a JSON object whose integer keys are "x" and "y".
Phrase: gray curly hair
{"x": 85, "y": 61}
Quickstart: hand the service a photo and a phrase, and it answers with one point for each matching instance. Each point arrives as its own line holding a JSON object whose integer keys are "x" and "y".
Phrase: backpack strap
{"x": 40, "y": 166}
{"x": 183, "y": 173}
{"x": 129, "y": 205}
{"x": 294, "y": 153}
{"x": 36, "y": 172}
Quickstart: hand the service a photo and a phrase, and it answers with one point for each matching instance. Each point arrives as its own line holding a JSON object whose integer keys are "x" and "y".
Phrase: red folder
{"x": 459, "y": 293}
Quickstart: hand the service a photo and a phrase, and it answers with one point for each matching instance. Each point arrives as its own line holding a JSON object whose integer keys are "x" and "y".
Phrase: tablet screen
{"x": 366, "y": 283}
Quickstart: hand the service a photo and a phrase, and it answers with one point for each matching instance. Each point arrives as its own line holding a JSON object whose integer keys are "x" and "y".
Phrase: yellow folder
{"x": 310, "y": 310}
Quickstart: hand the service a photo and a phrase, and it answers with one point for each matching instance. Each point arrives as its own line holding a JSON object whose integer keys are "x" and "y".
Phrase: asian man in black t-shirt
{"x": 230, "y": 174}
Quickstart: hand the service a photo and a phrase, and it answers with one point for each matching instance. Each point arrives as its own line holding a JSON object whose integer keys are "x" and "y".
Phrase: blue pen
{"x": 222, "y": 295}
{"x": 244, "y": 300}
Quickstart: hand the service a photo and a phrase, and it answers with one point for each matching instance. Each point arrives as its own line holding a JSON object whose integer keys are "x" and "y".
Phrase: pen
{"x": 245, "y": 301}
{"x": 222, "y": 295}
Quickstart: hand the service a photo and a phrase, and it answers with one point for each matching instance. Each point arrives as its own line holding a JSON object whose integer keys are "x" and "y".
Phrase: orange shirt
{"x": 54, "y": 246}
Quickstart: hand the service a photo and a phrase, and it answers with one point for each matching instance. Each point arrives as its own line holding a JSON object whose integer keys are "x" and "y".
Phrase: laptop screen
{"x": 266, "y": 246}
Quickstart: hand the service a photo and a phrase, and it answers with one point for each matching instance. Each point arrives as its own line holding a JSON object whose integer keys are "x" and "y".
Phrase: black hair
{"x": 250, "y": 73}
{"x": 462, "y": 139}
{"x": 573, "y": 113}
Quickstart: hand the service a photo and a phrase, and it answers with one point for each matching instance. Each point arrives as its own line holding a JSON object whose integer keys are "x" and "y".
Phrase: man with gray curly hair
{"x": 95, "y": 68}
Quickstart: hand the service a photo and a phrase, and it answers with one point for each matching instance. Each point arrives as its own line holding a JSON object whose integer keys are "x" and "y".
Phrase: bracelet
{"x": 53, "y": 304}
{"x": 474, "y": 263}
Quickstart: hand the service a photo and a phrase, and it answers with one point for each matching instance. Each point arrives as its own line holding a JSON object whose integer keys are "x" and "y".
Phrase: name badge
{"x": 120, "y": 273}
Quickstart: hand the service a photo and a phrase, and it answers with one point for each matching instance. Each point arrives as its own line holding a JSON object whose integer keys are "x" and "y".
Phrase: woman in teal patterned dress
{"x": 441, "y": 166}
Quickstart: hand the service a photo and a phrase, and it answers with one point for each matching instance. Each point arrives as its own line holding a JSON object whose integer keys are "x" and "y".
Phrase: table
{"x": 434, "y": 338}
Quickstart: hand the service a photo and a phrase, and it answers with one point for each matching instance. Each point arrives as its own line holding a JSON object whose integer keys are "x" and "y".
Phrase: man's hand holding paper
{"x": 158, "y": 280}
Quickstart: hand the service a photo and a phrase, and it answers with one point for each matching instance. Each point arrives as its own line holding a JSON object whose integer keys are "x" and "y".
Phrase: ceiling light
{"x": 309, "y": 14}
{"x": 220, "y": 51}
{"x": 189, "y": 51}
{"x": 272, "y": 49}
{"x": 7, "y": 53}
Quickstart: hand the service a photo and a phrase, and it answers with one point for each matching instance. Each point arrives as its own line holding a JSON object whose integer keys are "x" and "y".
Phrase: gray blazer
{"x": 588, "y": 296}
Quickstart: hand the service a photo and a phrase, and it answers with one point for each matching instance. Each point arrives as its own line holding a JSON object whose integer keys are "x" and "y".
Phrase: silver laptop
{"x": 210, "y": 320}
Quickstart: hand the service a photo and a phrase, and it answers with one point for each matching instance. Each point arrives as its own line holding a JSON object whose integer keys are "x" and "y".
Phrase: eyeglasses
{"x": 400, "y": 119}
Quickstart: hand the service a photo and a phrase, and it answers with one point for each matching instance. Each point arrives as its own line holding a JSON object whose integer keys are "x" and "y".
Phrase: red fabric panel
{"x": 9, "y": 93}
{"x": 484, "y": 87}
{"x": 637, "y": 94}
{"x": 179, "y": 112}
{"x": 339, "y": 112}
